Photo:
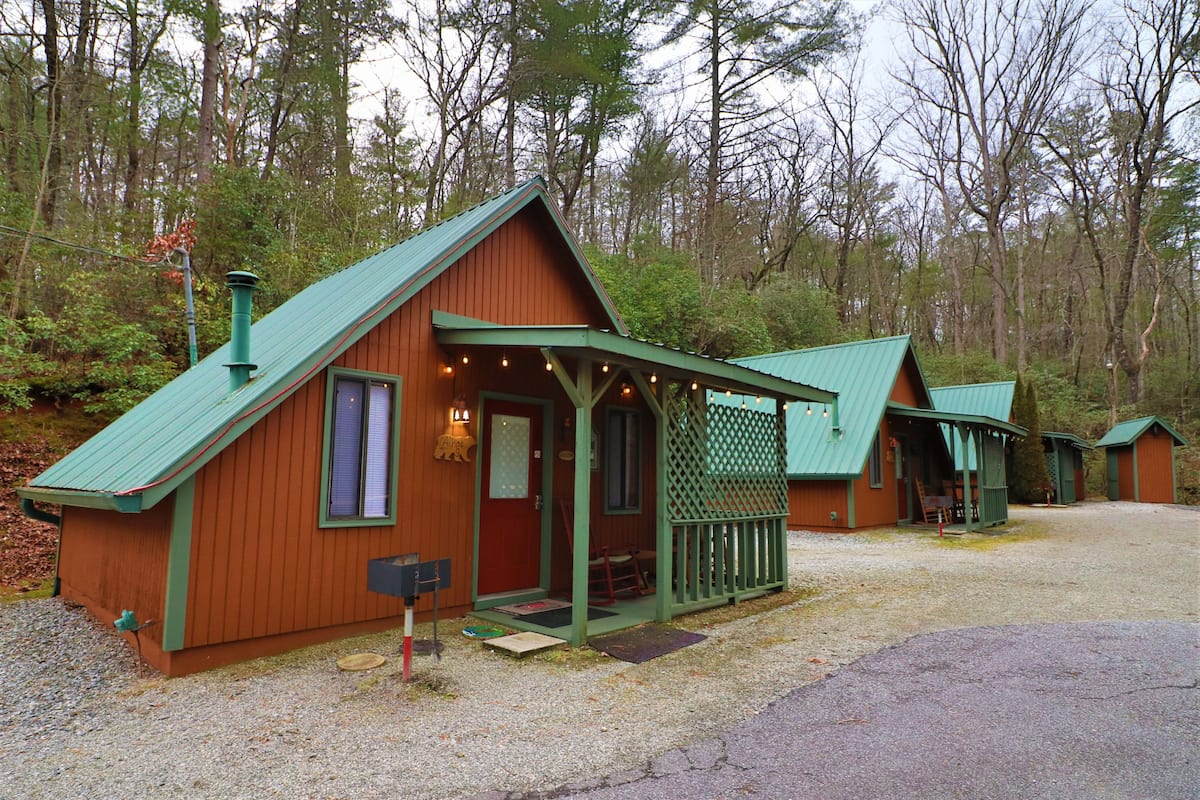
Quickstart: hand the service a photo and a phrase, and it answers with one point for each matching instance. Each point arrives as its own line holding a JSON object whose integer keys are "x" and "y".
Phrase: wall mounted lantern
{"x": 459, "y": 411}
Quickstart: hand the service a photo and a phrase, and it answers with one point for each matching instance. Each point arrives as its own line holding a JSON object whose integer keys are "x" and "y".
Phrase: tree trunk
{"x": 53, "y": 171}
{"x": 208, "y": 91}
{"x": 712, "y": 174}
{"x": 997, "y": 256}
{"x": 133, "y": 145}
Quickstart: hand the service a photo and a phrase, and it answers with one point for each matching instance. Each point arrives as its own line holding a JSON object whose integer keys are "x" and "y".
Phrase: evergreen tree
{"x": 1030, "y": 476}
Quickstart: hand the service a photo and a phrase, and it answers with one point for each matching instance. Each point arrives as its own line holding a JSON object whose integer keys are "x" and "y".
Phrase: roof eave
{"x": 108, "y": 501}
{"x": 948, "y": 417}
{"x": 579, "y": 341}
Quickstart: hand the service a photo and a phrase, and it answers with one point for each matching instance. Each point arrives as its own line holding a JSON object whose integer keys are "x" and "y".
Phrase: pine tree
{"x": 1030, "y": 476}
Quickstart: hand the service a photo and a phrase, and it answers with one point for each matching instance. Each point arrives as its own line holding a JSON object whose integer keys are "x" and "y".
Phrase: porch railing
{"x": 723, "y": 560}
{"x": 993, "y": 505}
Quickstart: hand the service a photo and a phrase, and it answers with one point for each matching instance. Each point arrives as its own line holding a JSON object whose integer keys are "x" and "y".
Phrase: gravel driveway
{"x": 78, "y": 720}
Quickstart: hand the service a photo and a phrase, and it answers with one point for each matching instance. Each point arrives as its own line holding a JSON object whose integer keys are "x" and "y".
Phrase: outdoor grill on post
{"x": 407, "y": 576}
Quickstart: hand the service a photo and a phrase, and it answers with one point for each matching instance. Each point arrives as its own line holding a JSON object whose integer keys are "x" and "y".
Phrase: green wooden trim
{"x": 1129, "y": 431}
{"x": 1137, "y": 476}
{"x": 1066, "y": 438}
{"x": 583, "y": 501}
{"x": 662, "y": 522}
{"x": 179, "y": 564}
{"x": 125, "y": 503}
{"x": 1112, "y": 474}
{"x": 609, "y": 509}
{"x": 331, "y": 376}
{"x": 586, "y": 343}
{"x": 902, "y": 456}
{"x": 1174, "y": 480}
{"x": 850, "y": 515}
{"x": 560, "y": 372}
{"x": 964, "y": 432}
{"x": 876, "y": 446}
{"x": 547, "y": 493}
{"x": 975, "y": 420}
{"x": 547, "y": 518}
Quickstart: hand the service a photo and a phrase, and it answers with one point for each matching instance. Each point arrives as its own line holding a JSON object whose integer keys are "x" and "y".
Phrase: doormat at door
{"x": 642, "y": 644}
{"x": 532, "y": 607}
{"x": 561, "y": 617}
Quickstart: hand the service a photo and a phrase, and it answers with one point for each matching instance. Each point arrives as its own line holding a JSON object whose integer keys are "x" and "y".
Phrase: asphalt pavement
{"x": 1063, "y": 711}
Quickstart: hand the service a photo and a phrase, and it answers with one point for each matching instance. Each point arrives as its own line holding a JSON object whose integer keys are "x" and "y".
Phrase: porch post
{"x": 583, "y": 504}
{"x": 663, "y": 566}
{"x": 964, "y": 433}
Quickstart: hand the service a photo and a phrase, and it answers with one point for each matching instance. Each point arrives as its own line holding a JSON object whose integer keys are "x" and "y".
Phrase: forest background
{"x": 1017, "y": 186}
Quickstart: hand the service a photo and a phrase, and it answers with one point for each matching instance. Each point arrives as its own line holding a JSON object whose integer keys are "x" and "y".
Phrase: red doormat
{"x": 644, "y": 643}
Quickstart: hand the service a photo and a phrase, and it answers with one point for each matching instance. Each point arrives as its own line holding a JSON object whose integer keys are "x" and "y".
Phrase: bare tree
{"x": 855, "y": 140}
{"x": 1159, "y": 45}
{"x": 742, "y": 44}
{"x": 1115, "y": 165}
{"x": 994, "y": 69}
{"x": 452, "y": 48}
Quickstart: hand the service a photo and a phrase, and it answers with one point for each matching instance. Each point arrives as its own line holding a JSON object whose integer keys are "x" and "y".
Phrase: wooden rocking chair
{"x": 930, "y": 508}
{"x": 610, "y": 572}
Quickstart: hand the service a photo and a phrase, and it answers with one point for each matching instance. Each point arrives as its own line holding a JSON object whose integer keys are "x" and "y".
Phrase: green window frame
{"x": 622, "y": 460}
{"x": 875, "y": 467}
{"x": 361, "y": 446}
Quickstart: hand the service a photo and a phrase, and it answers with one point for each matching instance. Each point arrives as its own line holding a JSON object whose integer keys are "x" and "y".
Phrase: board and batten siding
{"x": 810, "y": 503}
{"x": 1125, "y": 475}
{"x": 106, "y": 555}
{"x": 261, "y": 566}
{"x": 1155, "y": 467}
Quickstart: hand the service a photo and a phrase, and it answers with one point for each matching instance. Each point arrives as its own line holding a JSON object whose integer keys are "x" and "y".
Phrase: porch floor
{"x": 629, "y": 612}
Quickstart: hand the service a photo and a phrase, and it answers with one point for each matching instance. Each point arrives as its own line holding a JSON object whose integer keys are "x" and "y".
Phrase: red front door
{"x": 510, "y": 503}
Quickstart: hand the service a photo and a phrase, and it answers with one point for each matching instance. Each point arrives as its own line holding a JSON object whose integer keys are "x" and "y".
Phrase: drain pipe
{"x": 189, "y": 305}
{"x": 33, "y": 512}
{"x": 242, "y": 284}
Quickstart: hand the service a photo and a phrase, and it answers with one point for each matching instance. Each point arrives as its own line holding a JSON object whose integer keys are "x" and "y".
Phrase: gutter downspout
{"x": 33, "y": 512}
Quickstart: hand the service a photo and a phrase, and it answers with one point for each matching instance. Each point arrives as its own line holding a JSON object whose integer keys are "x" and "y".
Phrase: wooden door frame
{"x": 903, "y": 456}
{"x": 543, "y": 586}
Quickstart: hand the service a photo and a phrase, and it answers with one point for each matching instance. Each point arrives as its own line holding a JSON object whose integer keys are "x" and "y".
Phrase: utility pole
{"x": 190, "y": 307}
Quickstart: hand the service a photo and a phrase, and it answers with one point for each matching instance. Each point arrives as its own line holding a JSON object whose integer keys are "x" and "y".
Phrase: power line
{"x": 6, "y": 230}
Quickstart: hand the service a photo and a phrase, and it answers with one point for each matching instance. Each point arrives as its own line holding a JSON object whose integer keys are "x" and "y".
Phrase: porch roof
{"x": 988, "y": 399}
{"x": 951, "y": 418}
{"x": 1068, "y": 438}
{"x": 582, "y": 342}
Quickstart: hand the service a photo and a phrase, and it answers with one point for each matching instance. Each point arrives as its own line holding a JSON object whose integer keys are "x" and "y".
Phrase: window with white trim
{"x": 359, "y": 449}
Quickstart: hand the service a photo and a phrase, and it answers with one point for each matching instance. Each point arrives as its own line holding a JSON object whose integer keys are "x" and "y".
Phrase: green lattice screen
{"x": 723, "y": 461}
{"x": 1052, "y": 466}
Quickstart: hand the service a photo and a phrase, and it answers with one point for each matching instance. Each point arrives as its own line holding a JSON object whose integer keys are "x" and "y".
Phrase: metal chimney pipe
{"x": 242, "y": 284}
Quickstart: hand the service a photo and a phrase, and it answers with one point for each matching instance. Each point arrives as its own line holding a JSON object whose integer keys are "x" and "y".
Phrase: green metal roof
{"x": 986, "y": 399}
{"x": 862, "y": 374}
{"x": 1127, "y": 432}
{"x": 951, "y": 417}
{"x": 142, "y": 456}
{"x": 580, "y": 341}
{"x": 993, "y": 400}
{"x": 1069, "y": 438}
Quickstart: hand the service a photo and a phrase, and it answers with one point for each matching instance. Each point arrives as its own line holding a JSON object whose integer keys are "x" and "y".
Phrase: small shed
{"x": 1064, "y": 462}
{"x": 1141, "y": 460}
